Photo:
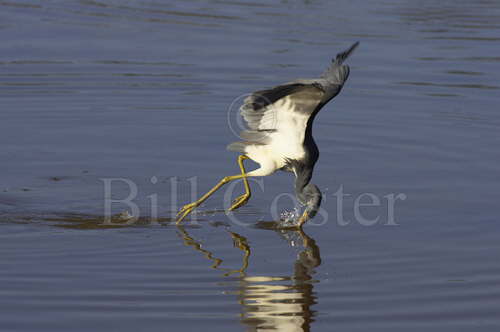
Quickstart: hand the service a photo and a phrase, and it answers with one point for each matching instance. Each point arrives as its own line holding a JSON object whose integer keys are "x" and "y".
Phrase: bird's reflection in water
{"x": 273, "y": 303}
{"x": 238, "y": 242}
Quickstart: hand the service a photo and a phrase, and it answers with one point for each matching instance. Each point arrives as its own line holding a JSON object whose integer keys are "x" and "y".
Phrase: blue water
{"x": 141, "y": 91}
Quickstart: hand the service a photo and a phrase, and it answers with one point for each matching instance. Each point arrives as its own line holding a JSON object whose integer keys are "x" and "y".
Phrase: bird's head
{"x": 310, "y": 196}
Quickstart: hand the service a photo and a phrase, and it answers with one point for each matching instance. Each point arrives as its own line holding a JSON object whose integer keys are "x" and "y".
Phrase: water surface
{"x": 140, "y": 90}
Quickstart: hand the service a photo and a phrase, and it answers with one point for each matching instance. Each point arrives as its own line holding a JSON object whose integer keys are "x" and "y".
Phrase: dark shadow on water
{"x": 84, "y": 221}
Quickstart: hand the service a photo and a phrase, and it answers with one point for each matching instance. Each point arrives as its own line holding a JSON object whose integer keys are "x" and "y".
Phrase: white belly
{"x": 286, "y": 142}
{"x": 273, "y": 156}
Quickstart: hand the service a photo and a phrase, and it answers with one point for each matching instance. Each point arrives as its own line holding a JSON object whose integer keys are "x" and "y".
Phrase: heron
{"x": 279, "y": 135}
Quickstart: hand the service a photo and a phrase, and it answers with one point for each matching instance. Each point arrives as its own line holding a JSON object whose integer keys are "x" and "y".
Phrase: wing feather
{"x": 258, "y": 107}
{"x": 280, "y": 115}
{"x": 279, "y": 111}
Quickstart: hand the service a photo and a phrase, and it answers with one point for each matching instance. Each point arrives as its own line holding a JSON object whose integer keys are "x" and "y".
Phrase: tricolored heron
{"x": 279, "y": 135}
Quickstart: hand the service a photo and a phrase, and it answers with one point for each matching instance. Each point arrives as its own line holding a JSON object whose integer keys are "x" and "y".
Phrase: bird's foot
{"x": 239, "y": 201}
{"x": 302, "y": 220}
{"x": 185, "y": 210}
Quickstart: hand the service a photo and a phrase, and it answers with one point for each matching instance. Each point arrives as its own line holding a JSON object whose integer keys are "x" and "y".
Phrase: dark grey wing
{"x": 335, "y": 76}
{"x": 277, "y": 110}
{"x": 258, "y": 105}
{"x": 338, "y": 73}
{"x": 342, "y": 56}
{"x": 288, "y": 107}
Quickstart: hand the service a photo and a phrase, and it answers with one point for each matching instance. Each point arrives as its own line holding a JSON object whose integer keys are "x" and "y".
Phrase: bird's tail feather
{"x": 237, "y": 147}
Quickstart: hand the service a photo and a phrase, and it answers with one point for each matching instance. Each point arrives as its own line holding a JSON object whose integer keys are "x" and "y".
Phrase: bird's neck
{"x": 303, "y": 177}
{"x": 310, "y": 145}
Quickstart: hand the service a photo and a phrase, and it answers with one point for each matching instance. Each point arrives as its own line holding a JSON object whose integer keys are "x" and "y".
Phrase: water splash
{"x": 289, "y": 218}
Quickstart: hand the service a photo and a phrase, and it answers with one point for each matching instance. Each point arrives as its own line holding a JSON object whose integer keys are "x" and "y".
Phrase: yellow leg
{"x": 186, "y": 209}
{"x": 302, "y": 220}
{"x": 243, "y": 199}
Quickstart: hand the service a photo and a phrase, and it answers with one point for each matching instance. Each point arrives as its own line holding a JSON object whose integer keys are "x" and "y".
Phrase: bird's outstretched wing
{"x": 334, "y": 77}
{"x": 338, "y": 73}
{"x": 284, "y": 111}
{"x": 280, "y": 111}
